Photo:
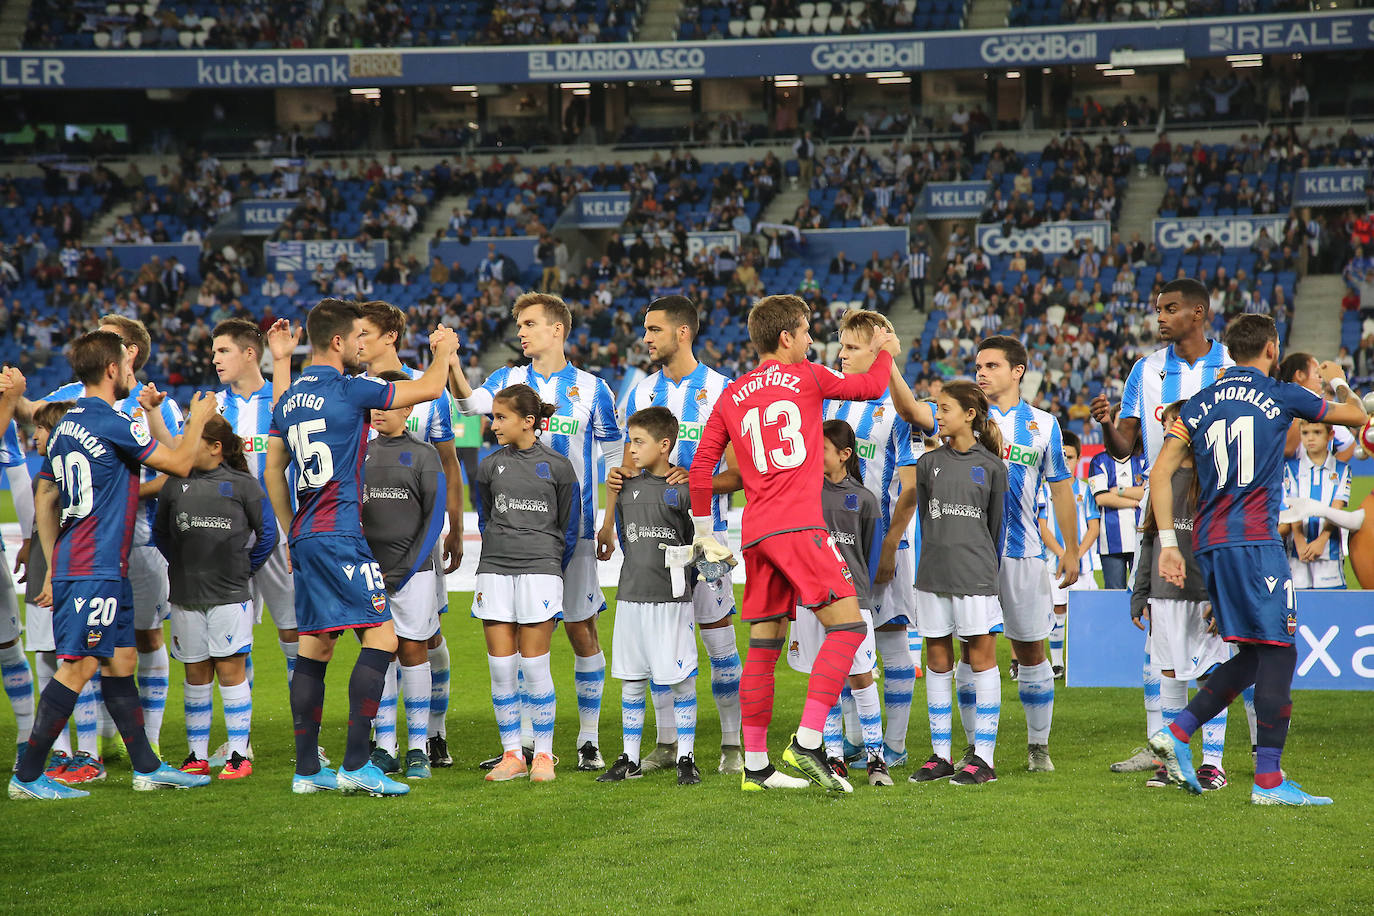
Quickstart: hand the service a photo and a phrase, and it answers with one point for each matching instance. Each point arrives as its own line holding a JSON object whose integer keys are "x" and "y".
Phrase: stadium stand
{"x": 786, "y": 18}
{"x": 1050, "y": 12}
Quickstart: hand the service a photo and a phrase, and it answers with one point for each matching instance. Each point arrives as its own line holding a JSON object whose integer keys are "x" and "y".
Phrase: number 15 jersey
{"x": 773, "y": 417}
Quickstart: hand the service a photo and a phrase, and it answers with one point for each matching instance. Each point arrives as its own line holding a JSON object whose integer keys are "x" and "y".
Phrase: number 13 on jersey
{"x": 781, "y": 421}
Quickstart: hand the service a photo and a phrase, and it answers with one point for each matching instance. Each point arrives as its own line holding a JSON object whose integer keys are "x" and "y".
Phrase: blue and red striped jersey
{"x": 323, "y": 419}
{"x": 94, "y": 457}
{"x": 1236, "y": 429}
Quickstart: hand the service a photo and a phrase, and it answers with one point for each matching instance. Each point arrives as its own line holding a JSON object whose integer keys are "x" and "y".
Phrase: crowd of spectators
{"x": 1068, "y": 11}
{"x": 244, "y": 24}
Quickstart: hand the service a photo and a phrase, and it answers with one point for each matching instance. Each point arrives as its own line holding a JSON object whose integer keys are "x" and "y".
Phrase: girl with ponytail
{"x": 959, "y": 495}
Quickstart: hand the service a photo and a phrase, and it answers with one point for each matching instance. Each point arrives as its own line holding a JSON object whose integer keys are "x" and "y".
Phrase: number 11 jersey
{"x": 773, "y": 417}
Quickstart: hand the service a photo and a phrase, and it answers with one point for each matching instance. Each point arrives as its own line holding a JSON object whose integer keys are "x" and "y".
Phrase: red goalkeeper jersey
{"x": 773, "y": 417}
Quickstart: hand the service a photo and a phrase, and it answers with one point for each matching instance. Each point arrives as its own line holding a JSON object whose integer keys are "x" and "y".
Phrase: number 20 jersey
{"x": 94, "y": 458}
{"x": 773, "y": 417}
{"x": 323, "y": 420}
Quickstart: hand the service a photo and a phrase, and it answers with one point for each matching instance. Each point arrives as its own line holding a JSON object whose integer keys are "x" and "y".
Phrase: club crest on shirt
{"x": 978, "y": 474}
{"x": 93, "y": 638}
{"x": 1033, "y": 426}
{"x": 574, "y": 394}
{"x": 501, "y": 503}
{"x": 407, "y": 459}
{"x": 670, "y": 498}
{"x": 851, "y": 502}
{"x": 379, "y": 602}
{"x": 631, "y": 532}
{"x": 541, "y": 469}
{"x": 1292, "y": 623}
{"x": 226, "y": 488}
{"x": 1221, "y": 370}
{"x": 701, "y": 395}
{"x": 878, "y": 413}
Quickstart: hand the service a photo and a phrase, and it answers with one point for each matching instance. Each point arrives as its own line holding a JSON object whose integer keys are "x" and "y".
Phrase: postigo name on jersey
{"x": 561, "y": 426}
{"x": 1019, "y": 454}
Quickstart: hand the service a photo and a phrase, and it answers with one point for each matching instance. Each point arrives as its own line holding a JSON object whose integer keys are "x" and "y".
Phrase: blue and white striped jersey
{"x": 1326, "y": 483}
{"x": 1105, "y": 473}
{"x": 430, "y": 421}
{"x": 11, "y": 452}
{"x": 1160, "y": 379}
{"x": 884, "y": 445}
{"x": 1033, "y": 450}
{"x": 585, "y": 416}
{"x": 171, "y": 415}
{"x": 251, "y": 418}
{"x": 691, "y": 401}
{"x": 1086, "y": 509}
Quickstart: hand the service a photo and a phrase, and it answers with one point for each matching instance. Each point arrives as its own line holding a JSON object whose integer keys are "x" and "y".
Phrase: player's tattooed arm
{"x": 281, "y": 343}
{"x": 1346, "y": 409}
{"x": 274, "y": 477}
{"x": 901, "y": 517}
{"x": 46, "y": 519}
{"x": 1169, "y": 460}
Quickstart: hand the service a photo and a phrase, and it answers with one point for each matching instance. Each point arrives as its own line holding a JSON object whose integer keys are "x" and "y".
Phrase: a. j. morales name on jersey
{"x": 1239, "y": 393}
{"x": 771, "y": 376}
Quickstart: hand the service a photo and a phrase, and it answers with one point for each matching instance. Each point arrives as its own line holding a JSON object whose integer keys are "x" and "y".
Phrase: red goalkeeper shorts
{"x": 793, "y": 568}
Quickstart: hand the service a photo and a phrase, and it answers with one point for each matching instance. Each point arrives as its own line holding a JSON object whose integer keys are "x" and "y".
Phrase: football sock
{"x": 248, "y": 668}
{"x": 725, "y": 675}
{"x": 505, "y": 698}
{"x": 1154, "y": 718}
{"x": 988, "y": 686}
{"x": 940, "y": 709}
{"x": 1173, "y": 697}
{"x": 153, "y": 672}
{"x": 290, "y": 650}
{"x": 1036, "y": 687}
{"x": 54, "y": 708}
{"x": 102, "y": 715}
{"x": 756, "y": 698}
{"x": 589, "y": 677}
{"x": 438, "y": 688}
{"x": 415, "y": 685}
{"x": 685, "y": 714}
{"x": 543, "y": 702}
{"x": 526, "y": 710}
{"x": 914, "y": 644}
{"x": 968, "y": 699}
{"x": 663, "y": 713}
{"x": 238, "y": 715}
{"x": 899, "y": 680}
{"x": 833, "y": 735}
{"x": 1214, "y": 735}
{"x": 870, "y": 712}
{"x": 853, "y": 731}
{"x": 197, "y": 701}
{"x": 1223, "y": 685}
{"x": 307, "y": 708}
{"x": 1273, "y": 708}
{"x": 87, "y": 719}
{"x": 1248, "y": 696}
{"x": 121, "y": 699}
{"x": 45, "y": 666}
{"x": 1057, "y": 638}
{"x": 828, "y": 675}
{"x": 632, "y": 716}
{"x": 384, "y": 720}
{"x": 370, "y": 674}
{"x": 18, "y": 678}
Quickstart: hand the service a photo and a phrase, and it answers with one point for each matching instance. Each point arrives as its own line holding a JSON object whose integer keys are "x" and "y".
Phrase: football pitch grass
{"x": 1080, "y": 839}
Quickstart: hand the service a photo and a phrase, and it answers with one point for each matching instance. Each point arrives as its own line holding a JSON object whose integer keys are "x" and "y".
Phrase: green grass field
{"x": 1081, "y": 839}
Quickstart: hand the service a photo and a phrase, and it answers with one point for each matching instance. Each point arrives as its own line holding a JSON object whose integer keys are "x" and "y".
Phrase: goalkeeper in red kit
{"x": 773, "y": 416}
